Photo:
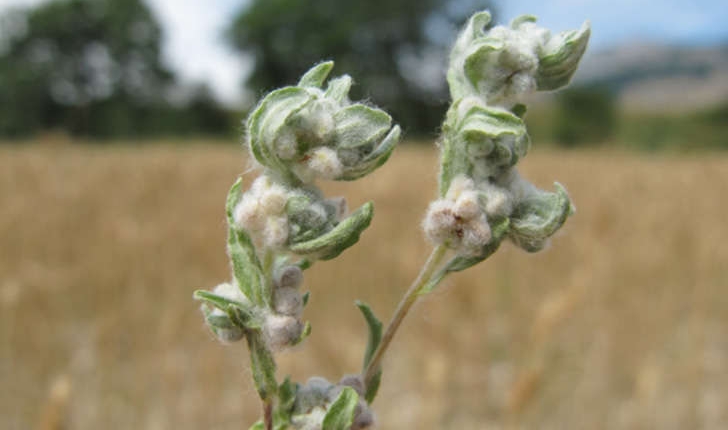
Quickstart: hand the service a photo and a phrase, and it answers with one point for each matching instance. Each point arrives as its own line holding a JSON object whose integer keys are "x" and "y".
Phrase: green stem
{"x": 409, "y": 299}
{"x": 268, "y": 259}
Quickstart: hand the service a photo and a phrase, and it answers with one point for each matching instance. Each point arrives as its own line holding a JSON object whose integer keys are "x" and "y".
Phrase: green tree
{"x": 88, "y": 66}
{"x": 585, "y": 115}
{"x": 396, "y": 50}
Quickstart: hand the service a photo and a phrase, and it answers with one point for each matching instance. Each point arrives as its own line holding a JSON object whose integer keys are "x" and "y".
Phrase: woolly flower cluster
{"x": 281, "y": 326}
{"x": 460, "y": 220}
{"x": 304, "y": 132}
{"x": 513, "y": 75}
{"x": 314, "y": 397}
{"x": 261, "y": 212}
{"x": 508, "y": 62}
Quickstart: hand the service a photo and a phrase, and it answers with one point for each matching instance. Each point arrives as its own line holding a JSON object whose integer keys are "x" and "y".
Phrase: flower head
{"x": 304, "y": 132}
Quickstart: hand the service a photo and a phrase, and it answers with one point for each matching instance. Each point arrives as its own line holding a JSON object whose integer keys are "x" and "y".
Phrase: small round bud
{"x": 288, "y": 301}
{"x": 286, "y": 144}
{"x": 353, "y": 381}
{"x": 458, "y": 185}
{"x": 497, "y": 201}
{"x": 466, "y": 206}
{"x": 364, "y": 420}
{"x": 325, "y": 163}
{"x": 439, "y": 221}
{"x": 314, "y": 393}
{"x": 247, "y": 214}
{"x": 275, "y": 233}
{"x": 288, "y": 277}
{"x": 228, "y": 335}
{"x": 281, "y": 331}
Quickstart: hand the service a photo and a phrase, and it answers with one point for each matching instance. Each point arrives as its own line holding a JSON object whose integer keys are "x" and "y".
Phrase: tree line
{"x": 94, "y": 68}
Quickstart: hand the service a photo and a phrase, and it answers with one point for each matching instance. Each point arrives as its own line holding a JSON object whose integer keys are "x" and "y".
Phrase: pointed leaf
{"x": 257, "y": 426}
{"x": 316, "y": 75}
{"x": 286, "y": 400}
{"x": 265, "y": 123}
{"x": 373, "y": 340}
{"x": 516, "y": 22}
{"x": 375, "y": 331}
{"x": 233, "y": 198}
{"x": 306, "y": 332}
{"x": 345, "y": 234}
{"x": 375, "y": 159}
{"x": 340, "y": 415}
{"x": 246, "y": 266}
{"x": 243, "y": 314}
{"x": 338, "y": 88}
{"x": 358, "y": 125}
{"x": 538, "y": 217}
{"x": 560, "y": 57}
{"x": 262, "y": 366}
{"x": 479, "y": 59}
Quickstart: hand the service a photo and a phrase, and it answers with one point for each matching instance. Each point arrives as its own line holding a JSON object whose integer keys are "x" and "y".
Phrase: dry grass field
{"x": 621, "y": 324}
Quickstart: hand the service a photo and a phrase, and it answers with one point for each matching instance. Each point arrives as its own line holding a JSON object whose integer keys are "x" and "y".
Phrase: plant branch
{"x": 409, "y": 299}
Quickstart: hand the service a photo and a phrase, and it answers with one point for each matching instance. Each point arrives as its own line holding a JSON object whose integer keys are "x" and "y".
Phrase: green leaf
{"x": 286, "y": 400}
{"x": 266, "y": 122}
{"x": 263, "y": 366}
{"x": 559, "y": 61}
{"x": 243, "y": 314}
{"x": 538, "y": 217}
{"x": 358, "y": 125}
{"x": 340, "y": 415}
{"x": 306, "y": 296}
{"x": 338, "y": 88}
{"x": 516, "y": 22}
{"x": 246, "y": 266}
{"x": 375, "y": 159}
{"x": 306, "y": 332}
{"x": 373, "y": 340}
{"x": 316, "y": 75}
{"x": 258, "y": 426}
{"x": 233, "y": 198}
{"x": 477, "y": 62}
{"x": 372, "y": 386}
{"x": 335, "y": 241}
{"x": 375, "y": 331}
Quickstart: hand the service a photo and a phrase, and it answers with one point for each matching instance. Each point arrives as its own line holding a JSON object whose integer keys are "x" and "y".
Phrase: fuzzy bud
{"x": 458, "y": 220}
{"x": 288, "y": 277}
{"x": 280, "y": 331}
{"x": 288, "y": 301}
{"x": 261, "y": 212}
{"x": 298, "y": 132}
{"x": 324, "y": 162}
{"x": 503, "y": 64}
{"x": 353, "y": 381}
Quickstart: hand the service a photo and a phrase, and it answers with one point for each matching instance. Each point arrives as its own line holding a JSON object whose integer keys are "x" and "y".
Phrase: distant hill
{"x": 658, "y": 77}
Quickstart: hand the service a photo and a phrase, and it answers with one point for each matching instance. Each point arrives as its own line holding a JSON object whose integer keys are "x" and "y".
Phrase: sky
{"x": 194, "y": 48}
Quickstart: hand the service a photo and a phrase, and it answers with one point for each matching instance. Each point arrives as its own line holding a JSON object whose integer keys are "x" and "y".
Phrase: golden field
{"x": 621, "y": 324}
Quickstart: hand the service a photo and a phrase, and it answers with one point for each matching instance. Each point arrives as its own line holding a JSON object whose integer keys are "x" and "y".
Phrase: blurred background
{"x": 120, "y": 124}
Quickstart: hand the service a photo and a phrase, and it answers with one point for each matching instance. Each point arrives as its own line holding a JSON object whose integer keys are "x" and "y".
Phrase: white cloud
{"x": 194, "y": 47}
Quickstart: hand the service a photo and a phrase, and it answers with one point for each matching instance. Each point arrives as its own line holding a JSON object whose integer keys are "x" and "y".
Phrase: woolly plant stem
{"x": 409, "y": 299}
